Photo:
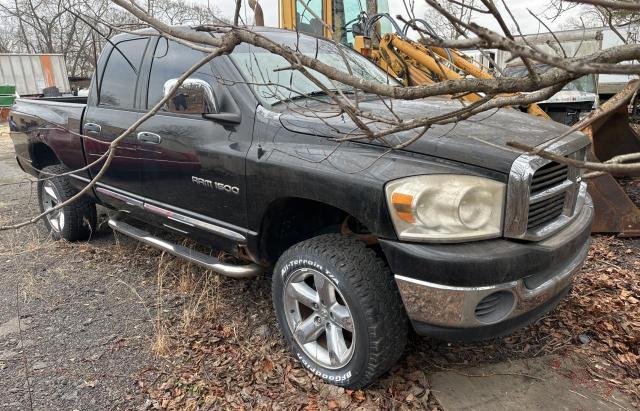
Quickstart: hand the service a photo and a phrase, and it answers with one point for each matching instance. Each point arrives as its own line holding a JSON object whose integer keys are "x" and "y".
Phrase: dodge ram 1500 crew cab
{"x": 460, "y": 239}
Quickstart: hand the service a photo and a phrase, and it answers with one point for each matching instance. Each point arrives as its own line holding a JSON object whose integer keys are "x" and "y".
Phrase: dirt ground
{"x": 112, "y": 324}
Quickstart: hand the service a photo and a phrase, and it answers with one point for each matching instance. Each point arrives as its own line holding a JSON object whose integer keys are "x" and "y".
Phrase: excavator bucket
{"x": 615, "y": 212}
{"x": 612, "y": 135}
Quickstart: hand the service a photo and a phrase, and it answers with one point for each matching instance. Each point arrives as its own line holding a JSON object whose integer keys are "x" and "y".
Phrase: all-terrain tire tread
{"x": 369, "y": 277}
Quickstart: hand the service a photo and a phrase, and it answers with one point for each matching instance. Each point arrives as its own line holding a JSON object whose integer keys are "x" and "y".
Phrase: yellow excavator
{"x": 366, "y": 26}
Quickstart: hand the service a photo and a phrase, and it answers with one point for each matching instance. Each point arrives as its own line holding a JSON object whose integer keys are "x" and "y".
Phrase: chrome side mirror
{"x": 194, "y": 96}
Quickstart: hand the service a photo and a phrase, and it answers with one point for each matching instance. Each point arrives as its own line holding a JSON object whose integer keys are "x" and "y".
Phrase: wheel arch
{"x": 42, "y": 156}
{"x": 290, "y": 220}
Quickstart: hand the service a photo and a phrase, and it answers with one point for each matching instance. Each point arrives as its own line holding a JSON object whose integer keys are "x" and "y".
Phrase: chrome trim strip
{"x": 450, "y": 306}
{"x": 243, "y": 229}
{"x": 179, "y": 221}
{"x": 550, "y": 192}
{"x": 192, "y": 222}
{"x": 126, "y": 199}
{"x": 80, "y": 178}
{"x": 235, "y": 271}
{"x": 177, "y": 217}
{"x": 519, "y": 196}
{"x": 175, "y": 228}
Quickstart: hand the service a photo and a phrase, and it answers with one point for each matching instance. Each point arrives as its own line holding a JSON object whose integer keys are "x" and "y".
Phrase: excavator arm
{"x": 417, "y": 64}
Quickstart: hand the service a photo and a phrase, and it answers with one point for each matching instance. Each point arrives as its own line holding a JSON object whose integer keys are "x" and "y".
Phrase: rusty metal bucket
{"x": 613, "y": 135}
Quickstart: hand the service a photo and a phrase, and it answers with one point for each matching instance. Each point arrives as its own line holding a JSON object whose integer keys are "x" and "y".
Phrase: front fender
{"x": 347, "y": 176}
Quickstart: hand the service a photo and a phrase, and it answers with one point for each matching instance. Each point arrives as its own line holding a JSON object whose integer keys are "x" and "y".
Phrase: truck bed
{"x": 47, "y": 123}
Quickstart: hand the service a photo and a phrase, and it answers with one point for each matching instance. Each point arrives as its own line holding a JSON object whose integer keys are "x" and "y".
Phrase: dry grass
{"x": 203, "y": 298}
{"x": 160, "y": 345}
{"x": 182, "y": 284}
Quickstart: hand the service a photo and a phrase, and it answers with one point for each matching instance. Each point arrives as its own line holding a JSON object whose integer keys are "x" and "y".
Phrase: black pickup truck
{"x": 462, "y": 239}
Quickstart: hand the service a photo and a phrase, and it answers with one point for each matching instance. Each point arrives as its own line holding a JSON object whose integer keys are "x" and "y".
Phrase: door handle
{"x": 150, "y": 138}
{"x": 92, "y": 128}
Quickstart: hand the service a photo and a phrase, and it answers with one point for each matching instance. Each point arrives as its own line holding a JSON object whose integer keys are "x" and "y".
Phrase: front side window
{"x": 118, "y": 85}
{"x": 267, "y": 73}
{"x": 170, "y": 61}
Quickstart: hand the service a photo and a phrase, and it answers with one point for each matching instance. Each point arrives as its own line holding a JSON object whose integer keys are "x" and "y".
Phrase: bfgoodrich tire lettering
{"x": 367, "y": 307}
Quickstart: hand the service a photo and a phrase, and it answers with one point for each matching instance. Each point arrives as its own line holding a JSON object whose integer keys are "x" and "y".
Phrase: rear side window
{"x": 170, "y": 60}
{"x": 118, "y": 85}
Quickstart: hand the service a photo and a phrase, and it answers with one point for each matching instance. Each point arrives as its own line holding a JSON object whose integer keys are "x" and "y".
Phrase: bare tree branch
{"x": 611, "y": 4}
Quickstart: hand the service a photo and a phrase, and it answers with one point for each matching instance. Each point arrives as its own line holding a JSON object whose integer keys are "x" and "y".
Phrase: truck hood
{"x": 474, "y": 141}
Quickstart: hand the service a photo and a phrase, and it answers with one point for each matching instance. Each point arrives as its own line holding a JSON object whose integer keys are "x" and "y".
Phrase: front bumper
{"x": 473, "y": 311}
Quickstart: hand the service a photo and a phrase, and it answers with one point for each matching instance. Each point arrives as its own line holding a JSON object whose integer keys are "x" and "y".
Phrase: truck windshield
{"x": 585, "y": 84}
{"x": 274, "y": 82}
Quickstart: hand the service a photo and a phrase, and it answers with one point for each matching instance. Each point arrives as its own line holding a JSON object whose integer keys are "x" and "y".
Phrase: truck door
{"x": 193, "y": 169}
{"x": 112, "y": 109}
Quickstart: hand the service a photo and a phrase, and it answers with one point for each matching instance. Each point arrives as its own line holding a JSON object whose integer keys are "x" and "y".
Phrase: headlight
{"x": 446, "y": 207}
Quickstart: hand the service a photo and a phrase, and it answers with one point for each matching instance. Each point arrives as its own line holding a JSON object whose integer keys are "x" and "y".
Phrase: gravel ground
{"x": 111, "y": 324}
{"x": 74, "y": 320}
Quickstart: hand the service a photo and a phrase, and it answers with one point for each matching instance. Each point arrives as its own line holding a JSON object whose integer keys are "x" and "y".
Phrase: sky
{"x": 519, "y": 8}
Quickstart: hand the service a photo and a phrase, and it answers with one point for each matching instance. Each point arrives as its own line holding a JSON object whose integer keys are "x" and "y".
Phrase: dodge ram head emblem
{"x": 214, "y": 184}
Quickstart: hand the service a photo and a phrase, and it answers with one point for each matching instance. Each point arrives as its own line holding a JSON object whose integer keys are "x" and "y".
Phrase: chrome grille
{"x": 548, "y": 175}
{"x": 543, "y": 196}
{"x": 545, "y": 210}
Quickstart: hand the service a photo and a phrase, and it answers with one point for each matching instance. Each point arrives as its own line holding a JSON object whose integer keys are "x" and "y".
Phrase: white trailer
{"x": 579, "y": 43}
{"x": 579, "y": 97}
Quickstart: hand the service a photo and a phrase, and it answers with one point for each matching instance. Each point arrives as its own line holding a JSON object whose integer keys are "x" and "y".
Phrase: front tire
{"x": 339, "y": 309}
{"x": 74, "y": 222}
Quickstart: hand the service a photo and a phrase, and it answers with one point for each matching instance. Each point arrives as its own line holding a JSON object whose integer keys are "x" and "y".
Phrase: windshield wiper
{"x": 301, "y": 96}
{"x": 316, "y": 93}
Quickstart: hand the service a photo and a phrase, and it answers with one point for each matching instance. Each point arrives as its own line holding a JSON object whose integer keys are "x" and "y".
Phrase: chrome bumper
{"x": 467, "y": 307}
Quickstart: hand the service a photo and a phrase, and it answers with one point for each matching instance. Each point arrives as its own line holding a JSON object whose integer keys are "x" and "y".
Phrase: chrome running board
{"x": 207, "y": 261}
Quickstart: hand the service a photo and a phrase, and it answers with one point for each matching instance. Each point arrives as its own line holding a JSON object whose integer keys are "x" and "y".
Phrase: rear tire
{"x": 339, "y": 309}
{"x": 74, "y": 222}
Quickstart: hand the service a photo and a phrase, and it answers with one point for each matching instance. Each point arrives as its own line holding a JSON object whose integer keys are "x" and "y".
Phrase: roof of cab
{"x": 258, "y": 29}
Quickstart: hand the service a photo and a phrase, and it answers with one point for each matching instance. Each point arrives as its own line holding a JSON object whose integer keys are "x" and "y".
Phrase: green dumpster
{"x": 7, "y": 95}
{"x": 6, "y": 89}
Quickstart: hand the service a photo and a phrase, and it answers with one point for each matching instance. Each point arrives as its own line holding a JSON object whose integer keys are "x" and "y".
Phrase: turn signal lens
{"x": 402, "y": 204}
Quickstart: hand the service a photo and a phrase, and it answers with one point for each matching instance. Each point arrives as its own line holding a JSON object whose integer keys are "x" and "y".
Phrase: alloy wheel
{"x": 50, "y": 199}
{"x": 319, "y": 318}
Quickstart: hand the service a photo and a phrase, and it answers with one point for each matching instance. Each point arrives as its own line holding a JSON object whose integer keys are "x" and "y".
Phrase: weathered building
{"x": 33, "y": 73}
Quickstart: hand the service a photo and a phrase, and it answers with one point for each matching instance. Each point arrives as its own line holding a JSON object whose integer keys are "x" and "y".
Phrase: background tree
{"x": 463, "y": 10}
{"x": 595, "y": 15}
{"x": 69, "y": 27}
